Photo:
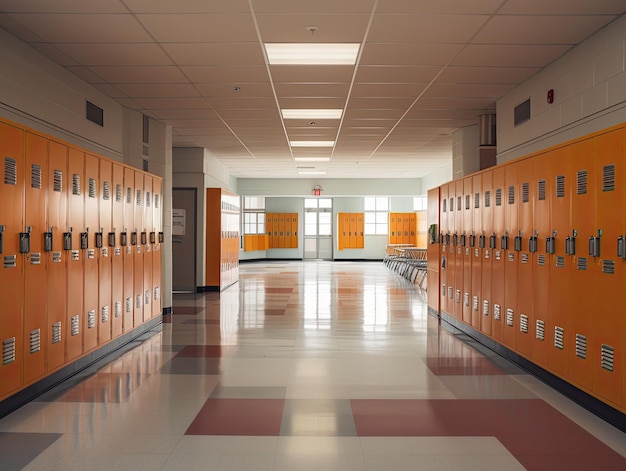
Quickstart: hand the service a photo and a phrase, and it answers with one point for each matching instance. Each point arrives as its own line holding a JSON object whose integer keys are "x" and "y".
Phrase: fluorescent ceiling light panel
{"x": 311, "y": 172}
{"x": 312, "y": 114}
{"x": 311, "y": 143}
{"x": 312, "y": 54}
{"x": 311, "y": 159}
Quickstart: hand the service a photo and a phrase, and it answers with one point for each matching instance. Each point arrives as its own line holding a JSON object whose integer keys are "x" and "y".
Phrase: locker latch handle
{"x": 67, "y": 241}
{"x": 482, "y": 241}
{"x": 111, "y": 239}
{"x": 25, "y": 240}
{"x": 455, "y": 240}
{"x": 448, "y": 239}
{"x": 570, "y": 244}
{"x": 98, "y": 240}
{"x": 84, "y": 240}
{"x": 1, "y": 232}
{"x": 517, "y": 242}
{"x": 472, "y": 240}
{"x": 594, "y": 246}
{"x": 123, "y": 239}
{"x": 153, "y": 237}
{"x": 551, "y": 245}
{"x": 532, "y": 243}
{"x": 504, "y": 242}
{"x": 463, "y": 240}
{"x": 621, "y": 247}
{"x": 144, "y": 238}
{"x": 133, "y": 238}
{"x": 47, "y": 241}
{"x": 492, "y": 241}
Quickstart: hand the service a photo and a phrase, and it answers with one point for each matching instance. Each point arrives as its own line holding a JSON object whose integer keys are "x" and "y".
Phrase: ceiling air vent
{"x": 521, "y": 113}
{"x": 94, "y": 113}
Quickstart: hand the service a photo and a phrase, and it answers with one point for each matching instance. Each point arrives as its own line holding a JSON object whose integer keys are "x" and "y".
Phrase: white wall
{"x": 331, "y": 187}
{"x": 589, "y": 84}
{"x": 465, "y": 151}
{"x": 437, "y": 178}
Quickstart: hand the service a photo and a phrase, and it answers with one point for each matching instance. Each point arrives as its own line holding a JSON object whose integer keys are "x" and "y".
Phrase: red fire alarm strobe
{"x": 317, "y": 190}
{"x": 550, "y": 96}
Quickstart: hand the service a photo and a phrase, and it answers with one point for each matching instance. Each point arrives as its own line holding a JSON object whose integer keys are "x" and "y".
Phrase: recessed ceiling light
{"x": 311, "y": 143}
{"x": 311, "y": 159}
{"x": 311, "y": 172}
{"x": 312, "y": 114}
{"x": 312, "y": 54}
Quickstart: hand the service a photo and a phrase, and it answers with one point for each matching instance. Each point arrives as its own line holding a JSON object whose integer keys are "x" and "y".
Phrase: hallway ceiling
{"x": 425, "y": 69}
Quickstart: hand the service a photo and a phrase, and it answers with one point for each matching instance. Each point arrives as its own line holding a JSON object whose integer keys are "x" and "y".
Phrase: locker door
{"x": 147, "y": 229}
{"x": 490, "y": 243}
{"x": 476, "y": 250}
{"x": 609, "y": 324}
{"x": 91, "y": 253}
{"x": 499, "y": 254}
{"x": 157, "y": 200}
{"x": 57, "y": 319}
{"x": 12, "y": 269}
{"x": 128, "y": 249}
{"x": 393, "y": 239}
{"x": 581, "y": 355}
{"x": 35, "y": 263}
{"x": 525, "y": 319}
{"x": 72, "y": 249}
{"x": 294, "y": 230}
{"x": 413, "y": 230}
{"x": 467, "y": 251}
{"x": 543, "y": 188}
{"x": 288, "y": 230}
{"x": 105, "y": 214}
{"x": 452, "y": 246}
{"x": 433, "y": 249}
{"x": 561, "y": 261}
{"x": 360, "y": 230}
{"x": 458, "y": 251}
{"x": 269, "y": 228}
{"x": 352, "y": 230}
{"x": 344, "y": 231}
{"x": 138, "y": 250}
{"x": 281, "y": 230}
{"x": 444, "y": 235}
{"x": 115, "y": 252}
{"x": 510, "y": 314}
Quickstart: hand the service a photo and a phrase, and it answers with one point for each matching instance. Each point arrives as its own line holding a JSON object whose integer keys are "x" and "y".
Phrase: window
{"x": 253, "y": 215}
{"x": 376, "y": 215}
{"x": 420, "y": 203}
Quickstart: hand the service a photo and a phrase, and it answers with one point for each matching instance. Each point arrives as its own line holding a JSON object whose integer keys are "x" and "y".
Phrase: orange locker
{"x": 105, "y": 213}
{"x": 138, "y": 249}
{"x": 360, "y": 231}
{"x": 433, "y": 244}
{"x": 413, "y": 230}
{"x": 488, "y": 241}
{"x": 343, "y": 225}
{"x": 269, "y": 228}
{"x": 609, "y": 323}
{"x": 581, "y": 355}
{"x": 287, "y": 217}
{"x": 115, "y": 251}
{"x": 561, "y": 261}
{"x": 281, "y": 230}
{"x": 91, "y": 253}
{"x": 452, "y": 241}
{"x": 57, "y": 258}
{"x": 12, "y": 270}
{"x": 458, "y": 251}
{"x": 444, "y": 236}
{"x": 393, "y": 234}
{"x": 35, "y": 263}
{"x": 467, "y": 251}
{"x": 510, "y": 314}
{"x": 147, "y": 229}
{"x": 499, "y": 239}
{"x": 76, "y": 323}
{"x": 542, "y": 245}
{"x": 477, "y": 246}
{"x": 128, "y": 248}
{"x": 294, "y": 230}
{"x": 352, "y": 231}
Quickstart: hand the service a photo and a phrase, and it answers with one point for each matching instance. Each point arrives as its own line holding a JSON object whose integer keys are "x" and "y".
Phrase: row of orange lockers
{"x": 281, "y": 230}
{"x": 532, "y": 255}
{"x": 351, "y": 229}
{"x": 80, "y": 245}
{"x": 222, "y": 239}
{"x": 403, "y": 228}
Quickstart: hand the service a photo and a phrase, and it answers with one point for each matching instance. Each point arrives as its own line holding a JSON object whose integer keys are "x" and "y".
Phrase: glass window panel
{"x": 370, "y": 218}
{"x": 382, "y": 204}
{"x": 381, "y": 218}
{"x": 310, "y": 203}
{"x": 325, "y": 203}
{"x": 370, "y": 229}
{"x": 261, "y": 218}
{"x": 325, "y": 229}
{"x": 381, "y": 228}
{"x": 310, "y": 229}
{"x": 369, "y": 203}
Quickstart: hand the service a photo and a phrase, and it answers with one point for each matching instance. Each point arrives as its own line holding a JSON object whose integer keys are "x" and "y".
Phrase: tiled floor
{"x": 307, "y": 366}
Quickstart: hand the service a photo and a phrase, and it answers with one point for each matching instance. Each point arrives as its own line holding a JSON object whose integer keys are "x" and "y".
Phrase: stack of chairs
{"x": 407, "y": 261}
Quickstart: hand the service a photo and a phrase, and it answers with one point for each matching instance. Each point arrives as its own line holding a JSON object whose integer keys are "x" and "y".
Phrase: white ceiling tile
{"x": 197, "y": 27}
{"x": 158, "y": 103}
{"x": 187, "y": 6}
{"x": 158, "y": 89}
{"x": 375, "y": 103}
{"x": 227, "y": 74}
{"x": 509, "y": 55}
{"x": 514, "y": 75}
{"x": 319, "y": 6}
{"x": 396, "y": 74}
{"x": 229, "y": 90}
{"x": 86, "y": 74}
{"x": 333, "y": 28}
{"x": 440, "y": 6}
{"x": 312, "y": 74}
{"x": 116, "y": 54}
{"x": 63, "y": 6}
{"x": 215, "y": 54}
{"x": 493, "y": 91}
{"x": 295, "y": 90}
{"x": 148, "y": 74}
{"x": 166, "y": 114}
{"x": 362, "y": 90}
{"x": 409, "y": 54}
{"x": 310, "y": 103}
{"x": 448, "y": 103}
{"x": 245, "y": 103}
{"x": 424, "y": 28}
{"x": 559, "y": 7}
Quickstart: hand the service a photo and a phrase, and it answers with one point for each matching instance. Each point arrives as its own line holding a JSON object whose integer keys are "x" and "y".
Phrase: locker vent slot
{"x": 104, "y": 313}
{"x": 608, "y": 177}
{"x": 8, "y": 351}
{"x": 499, "y": 197}
{"x": 35, "y": 177}
{"x": 76, "y": 184}
{"x": 445, "y": 201}
{"x": 560, "y": 261}
{"x": 540, "y": 330}
{"x": 485, "y": 307}
{"x": 92, "y": 187}
{"x": 75, "y": 255}
{"x": 541, "y": 190}
{"x": 608, "y": 356}
{"x": 581, "y": 346}
{"x": 467, "y": 202}
{"x": 157, "y": 293}
{"x": 458, "y": 296}
{"x": 524, "y": 258}
{"x": 458, "y": 203}
{"x": 476, "y": 200}
{"x": 91, "y": 319}
{"x": 581, "y": 182}
{"x": 35, "y": 341}
{"x": 510, "y": 317}
{"x": 511, "y": 194}
{"x": 118, "y": 309}
{"x": 559, "y": 334}
{"x": 523, "y": 323}
{"x": 511, "y": 257}
{"x": 57, "y": 184}
{"x": 138, "y": 301}
{"x": 541, "y": 260}
{"x": 75, "y": 325}
{"x": 582, "y": 263}
{"x": 496, "y": 312}
{"x": 106, "y": 191}
{"x": 156, "y": 201}
{"x": 608, "y": 267}
{"x": 146, "y": 297}
{"x": 56, "y": 332}
{"x": 91, "y": 254}
{"x": 129, "y": 304}
{"x": 129, "y": 195}
{"x": 525, "y": 192}
{"x": 118, "y": 193}
{"x": 475, "y": 303}
{"x": 148, "y": 200}
{"x": 10, "y": 171}
{"x": 560, "y": 186}
{"x": 138, "y": 199}
{"x": 487, "y": 199}
{"x": 10, "y": 261}
{"x": 117, "y": 251}
{"x": 497, "y": 254}
{"x": 443, "y": 290}
{"x": 35, "y": 259}
{"x": 57, "y": 257}
{"x": 451, "y": 204}
{"x": 466, "y": 299}
{"x": 450, "y": 292}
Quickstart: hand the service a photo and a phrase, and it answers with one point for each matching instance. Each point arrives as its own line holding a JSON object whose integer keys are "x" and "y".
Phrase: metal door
{"x": 318, "y": 228}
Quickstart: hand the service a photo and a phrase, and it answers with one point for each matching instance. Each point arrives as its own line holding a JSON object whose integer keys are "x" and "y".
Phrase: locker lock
{"x": 162, "y": 237}
{"x": 98, "y": 240}
{"x": 463, "y": 240}
{"x": 144, "y": 238}
{"x": 448, "y": 239}
{"x": 84, "y": 240}
{"x": 111, "y": 239}
{"x": 472, "y": 240}
{"x": 594, "y": 245}
{"x": 482, "y": 241}
{"x": 621, "y": 247}
{"x": 1, "y": 233}
{"x": 532, "y": 242}
{"x": 504, "y": 242}
{"x": 47, "y": 240}
{"x": 123, "y": 239}
{"x": 570, "y": 243}
{"x": 551, "y": 243}
{"x": 25, "y": 240}
{"x": 153, "y": 237}
{"x": 455, "y": 239}
{"x": 67, "y": 240}
{"x": 133, "y": 238}
{"x": 517, "y": 242}
{"x": 492, "y": 241}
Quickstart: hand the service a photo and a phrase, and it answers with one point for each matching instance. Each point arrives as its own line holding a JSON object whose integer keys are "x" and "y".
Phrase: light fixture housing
{"x": 312, "y": 143}
{"x": 312, "y": 53}
{"x": 312, "y": 113}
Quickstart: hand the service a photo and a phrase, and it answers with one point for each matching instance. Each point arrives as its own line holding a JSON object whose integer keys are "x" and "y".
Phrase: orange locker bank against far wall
{"x": 80, "y": 243}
